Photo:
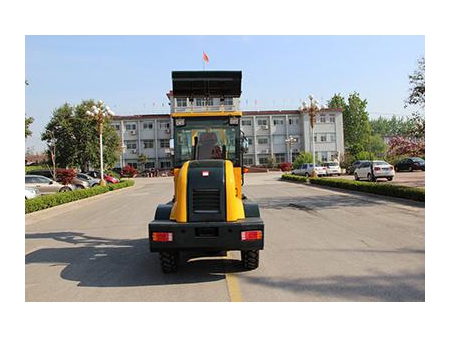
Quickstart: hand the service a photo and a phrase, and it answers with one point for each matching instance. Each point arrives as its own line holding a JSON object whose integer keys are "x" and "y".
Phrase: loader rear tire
{"x": 169, "y": 261}
{"x": 250, "y": 259}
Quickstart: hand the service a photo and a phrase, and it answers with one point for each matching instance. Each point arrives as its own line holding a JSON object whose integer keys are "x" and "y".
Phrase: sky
{"x": 132, "y": 74}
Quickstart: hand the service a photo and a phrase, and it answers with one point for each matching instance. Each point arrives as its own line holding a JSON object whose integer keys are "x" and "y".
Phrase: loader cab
{"x": 214, "y": 138}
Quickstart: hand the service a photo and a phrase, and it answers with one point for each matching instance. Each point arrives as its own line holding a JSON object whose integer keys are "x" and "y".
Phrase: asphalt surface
{"x": 408, "y": 179}
{"x": 320, "y": 245}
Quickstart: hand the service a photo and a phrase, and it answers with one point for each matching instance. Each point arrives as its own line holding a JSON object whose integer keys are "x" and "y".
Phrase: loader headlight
{"x": 180, "y": 122}
{"x": 234, "y": 121}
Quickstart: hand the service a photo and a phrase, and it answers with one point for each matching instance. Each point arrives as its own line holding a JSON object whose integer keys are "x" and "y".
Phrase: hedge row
{"x": 48, "y": 201}
{"x": 298, "y": 178}
{"x": 416, "y": 194}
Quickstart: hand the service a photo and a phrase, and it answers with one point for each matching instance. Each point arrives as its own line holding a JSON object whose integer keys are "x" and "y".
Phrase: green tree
{"x": 28, "y": 122}
{"x": 395, "y": 126}
{"x": 375, "y": 147}
{"x": 142, "y": 159}
{"x": 416, "y": 95}
{"x": 356, "y": 123}
{"x": 76, "y": 138}
{"x": 303, "y": 157}
{"x": 337, "y": 101}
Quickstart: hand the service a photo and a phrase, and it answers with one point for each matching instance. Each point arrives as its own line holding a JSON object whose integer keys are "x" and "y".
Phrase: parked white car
{"x": 374, "y": 170}
{"x": 306, "y": 169}
{"x": 332, "y": 168}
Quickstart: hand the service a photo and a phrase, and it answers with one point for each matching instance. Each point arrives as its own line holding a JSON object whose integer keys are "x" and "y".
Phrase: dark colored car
{"x": 354, "y": 165}
{"x": 410, "y": 164}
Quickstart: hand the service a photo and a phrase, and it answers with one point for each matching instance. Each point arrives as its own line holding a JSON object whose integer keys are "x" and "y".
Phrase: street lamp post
{"x": 289, "y": 142}
{"x": 312, "y": 109}
{"x": 100, "y": 113}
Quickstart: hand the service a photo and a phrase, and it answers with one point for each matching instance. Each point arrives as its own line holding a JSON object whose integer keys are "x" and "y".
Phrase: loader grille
{"x": 206, "y": 200}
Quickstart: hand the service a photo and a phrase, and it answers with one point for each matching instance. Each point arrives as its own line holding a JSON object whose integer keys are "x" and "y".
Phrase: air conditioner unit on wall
{"x": 133, "y": 132}
{"x": 134, "y": 151}
{"x": 167, "y": 131}
{"x": 265, "y": 127}
{"x": 265, "y": 151}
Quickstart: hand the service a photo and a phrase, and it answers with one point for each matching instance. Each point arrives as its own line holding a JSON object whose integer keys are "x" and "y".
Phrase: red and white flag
{"x": 205, "y": 57}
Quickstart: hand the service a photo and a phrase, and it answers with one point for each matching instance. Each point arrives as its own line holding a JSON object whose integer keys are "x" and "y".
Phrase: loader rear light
{"x": 162, "y": 237}
{"x": 252, "y": 235}
{"x": 245, "y": 170}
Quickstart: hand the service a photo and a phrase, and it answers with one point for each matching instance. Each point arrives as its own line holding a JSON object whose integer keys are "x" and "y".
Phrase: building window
{"x": 263, "y": 159}
{"x": 116, "y": 126}
{"x": 164, "y": 143}
{"x": 332, "y": 118}
{"x": 228, "y": 101}
{"x": 246, "y": 122}
{"x": 166, "y": 164}
{"x": 248, "y": 160}
{"x": 321, "y": 156}
{"x": 130, "y": 126}
{"x": 322, "y": 118}
{"x": 147, "y": 125}
{"x": 323, "y": 138}
{"x": 130, "y": 144}
{"x": 262, "y": 122}
{"x": 164, "y": 125}
{"x": 250, "y": 141}
{"x": 149, "y": 165}
{"x": 132, "y": 164}
{"x": 278, "y": 122}
{"x": 181, "y": 102}
{"x": 278, "y": 139}
{"x": 203, "y": 102}
{"x": 148, "y": 144}
{"x": 333, "y": 137}
{"x": 280, "y": 158}
{"x": 263, "y": 140}
{"x": 293, "y": 121}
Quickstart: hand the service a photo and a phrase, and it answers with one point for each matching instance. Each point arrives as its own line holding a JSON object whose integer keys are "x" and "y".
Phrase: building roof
{"x": 285, "y": 112}
{"x": 140, "y": 116}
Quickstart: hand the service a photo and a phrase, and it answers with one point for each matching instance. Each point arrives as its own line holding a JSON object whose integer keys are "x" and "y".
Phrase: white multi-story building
{"x": 285, "y": 133}
{"x": 280, "y": 135}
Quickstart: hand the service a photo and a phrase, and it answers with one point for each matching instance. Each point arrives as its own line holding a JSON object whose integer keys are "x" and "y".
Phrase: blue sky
{"x": 132, "y": 74}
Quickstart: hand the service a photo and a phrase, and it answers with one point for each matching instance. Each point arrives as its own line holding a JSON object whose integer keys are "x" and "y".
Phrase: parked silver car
{"x": 89, "y": 179}
{"x": 306, "y": 169}
{"x": 79, "y": 183}
{"x": 46, "y": 185}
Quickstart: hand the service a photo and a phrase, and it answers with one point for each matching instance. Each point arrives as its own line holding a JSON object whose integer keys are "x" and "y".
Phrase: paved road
{"x": 321, "y": 245}
{"x": 409, "y": 179}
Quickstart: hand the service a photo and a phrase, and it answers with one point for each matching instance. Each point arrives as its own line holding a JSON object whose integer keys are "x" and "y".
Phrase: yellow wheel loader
{"x": 208, "y": 211}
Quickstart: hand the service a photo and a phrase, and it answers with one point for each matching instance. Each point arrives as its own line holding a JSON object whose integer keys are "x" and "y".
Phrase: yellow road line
{"x": 233, "y": 286}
